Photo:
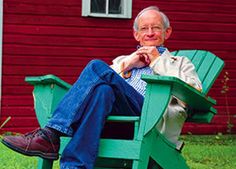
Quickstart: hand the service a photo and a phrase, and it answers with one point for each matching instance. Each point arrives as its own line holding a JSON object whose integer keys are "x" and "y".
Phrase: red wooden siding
{"x": 50, "y": 37}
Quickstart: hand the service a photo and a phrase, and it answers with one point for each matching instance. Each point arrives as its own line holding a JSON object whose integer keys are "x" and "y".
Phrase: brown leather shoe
{"x": 39, "y": 142}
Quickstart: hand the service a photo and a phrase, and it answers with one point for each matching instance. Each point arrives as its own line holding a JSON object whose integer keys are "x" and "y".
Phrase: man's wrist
{"x": 153, "y": 61}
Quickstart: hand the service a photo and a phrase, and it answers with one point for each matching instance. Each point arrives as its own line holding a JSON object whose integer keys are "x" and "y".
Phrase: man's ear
{"x": 136, "y": 35}
{"x": 168, "y": 33}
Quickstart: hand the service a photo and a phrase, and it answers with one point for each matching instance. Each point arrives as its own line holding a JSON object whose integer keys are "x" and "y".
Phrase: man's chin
{"x": 151, "y": 44}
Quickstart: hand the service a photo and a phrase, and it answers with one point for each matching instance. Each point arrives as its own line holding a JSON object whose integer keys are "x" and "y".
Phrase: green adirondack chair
{"x": 148, "y": 148}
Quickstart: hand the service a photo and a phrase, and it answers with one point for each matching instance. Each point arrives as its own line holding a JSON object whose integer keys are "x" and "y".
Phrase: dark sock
{"x": 54, "y": 132}
{"x": 50, "y": 134}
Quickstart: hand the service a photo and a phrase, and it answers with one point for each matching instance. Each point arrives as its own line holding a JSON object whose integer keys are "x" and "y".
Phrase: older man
{"x": 103, "y": 90}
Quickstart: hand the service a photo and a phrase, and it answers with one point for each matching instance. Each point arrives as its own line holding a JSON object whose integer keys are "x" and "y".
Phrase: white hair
{"x": 165, "y": 19}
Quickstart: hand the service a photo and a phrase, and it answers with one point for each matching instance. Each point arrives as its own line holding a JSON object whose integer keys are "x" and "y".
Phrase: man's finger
{"x": 144, "y": 58}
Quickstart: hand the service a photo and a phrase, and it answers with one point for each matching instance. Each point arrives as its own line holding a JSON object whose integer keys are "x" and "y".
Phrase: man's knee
{"x": 97, "y": 63}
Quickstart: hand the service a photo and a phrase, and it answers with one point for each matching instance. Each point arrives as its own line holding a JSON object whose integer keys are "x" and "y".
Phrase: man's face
{"x": 151, "y": 30}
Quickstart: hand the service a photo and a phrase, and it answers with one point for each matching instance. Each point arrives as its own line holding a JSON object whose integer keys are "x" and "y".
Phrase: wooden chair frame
{"x": 147, "y": 142}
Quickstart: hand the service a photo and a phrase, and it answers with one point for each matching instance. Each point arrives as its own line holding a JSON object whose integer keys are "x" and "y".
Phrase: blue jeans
{"x": 98, "y": 92}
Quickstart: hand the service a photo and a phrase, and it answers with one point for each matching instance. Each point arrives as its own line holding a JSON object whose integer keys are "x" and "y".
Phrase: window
{"x": 107, "y": 8}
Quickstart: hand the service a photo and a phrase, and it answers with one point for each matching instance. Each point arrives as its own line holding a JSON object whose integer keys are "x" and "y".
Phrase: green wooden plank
{"x": 157, "y": 98}
{"x": 167, "y": 152}
{"x": 43, "y": 98}
{"x": 206, "y": 67}
{"x": 213, "y": 73}
{"x": 113, "y": 148}
{"x": 183, "y": 91}
{"x": 44, "y": 164}
{"x": 46, "y": 98}
{"x": 198, "y": 58}
{"x": 201, "y": 104}
{"x": 202, "y": 117}
{"x": 121, "y": 149}
{"x": 187, "y": 53}
{"x": 123, "y": 118}
{"x": 47, "y": 79}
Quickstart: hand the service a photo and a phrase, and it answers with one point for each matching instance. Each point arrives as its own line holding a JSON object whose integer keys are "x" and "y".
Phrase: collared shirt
{"x": 135, "y": 80}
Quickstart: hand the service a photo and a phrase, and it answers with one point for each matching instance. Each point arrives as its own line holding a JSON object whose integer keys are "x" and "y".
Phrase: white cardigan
{"x": 168, "y": 65}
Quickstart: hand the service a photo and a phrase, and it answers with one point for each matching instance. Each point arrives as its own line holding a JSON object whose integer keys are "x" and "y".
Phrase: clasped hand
{"x": 141, "y": 58}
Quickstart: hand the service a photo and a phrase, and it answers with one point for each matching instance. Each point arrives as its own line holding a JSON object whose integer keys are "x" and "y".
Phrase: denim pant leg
{"x": 99, "y": 91}
{"x": 82, "y": 149}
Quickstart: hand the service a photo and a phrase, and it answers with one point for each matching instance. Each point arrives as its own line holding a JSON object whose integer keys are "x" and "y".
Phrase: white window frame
{"x": 86, "y": 12}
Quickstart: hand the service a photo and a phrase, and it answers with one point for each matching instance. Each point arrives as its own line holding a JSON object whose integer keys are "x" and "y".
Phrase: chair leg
{"x": 142, "y": 163}
{"x": 45, "y": 164}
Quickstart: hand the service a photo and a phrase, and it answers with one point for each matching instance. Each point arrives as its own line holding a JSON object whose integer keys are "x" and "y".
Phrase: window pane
{"x": 98, "y": 6}
{"x": 115, "y": 7}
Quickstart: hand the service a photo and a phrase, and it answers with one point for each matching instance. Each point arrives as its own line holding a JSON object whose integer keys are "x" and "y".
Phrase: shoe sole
{"x": 48, "y": 156}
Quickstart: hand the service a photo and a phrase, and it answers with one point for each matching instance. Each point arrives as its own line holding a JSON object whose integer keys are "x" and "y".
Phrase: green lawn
{"x": 210, "y": 152}
{"x": 201, "y": 152}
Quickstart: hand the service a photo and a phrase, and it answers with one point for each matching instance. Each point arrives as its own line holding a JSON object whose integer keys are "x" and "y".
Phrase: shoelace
{"x": 33, "y": 133}
{"x": 30, "y": 135}
{"x": 38, "y": 132}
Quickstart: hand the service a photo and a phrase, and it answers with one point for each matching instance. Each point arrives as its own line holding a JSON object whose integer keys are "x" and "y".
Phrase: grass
{"x": 210, "y": 152}
{"x": 200, "y": 152}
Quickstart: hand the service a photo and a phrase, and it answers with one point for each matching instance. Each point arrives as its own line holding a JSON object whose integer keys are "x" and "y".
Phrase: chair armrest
{"x": 158, "y": 95}
{"x": 47, "y": 79}
{"x": 195, "y": 99}
{"x": 47, "y": 93}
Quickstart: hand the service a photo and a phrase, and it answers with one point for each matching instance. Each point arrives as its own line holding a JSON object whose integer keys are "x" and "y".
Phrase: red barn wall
{"x": 50, "y": 37}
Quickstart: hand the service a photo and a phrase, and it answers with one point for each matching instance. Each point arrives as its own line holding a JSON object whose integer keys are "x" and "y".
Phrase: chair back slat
{"x": 198, "y": 59}
{"x": 207, "y": 65}
{"x": 188, "y": 53}
{"x": 212, "y": 74}
{"x": 205, "y": 68}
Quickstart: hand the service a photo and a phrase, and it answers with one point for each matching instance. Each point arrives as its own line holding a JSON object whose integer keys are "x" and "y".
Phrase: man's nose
{"x": 150, "y": 31}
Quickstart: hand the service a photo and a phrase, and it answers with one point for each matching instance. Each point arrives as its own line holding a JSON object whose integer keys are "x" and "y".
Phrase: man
{"x": 103, "y": 90}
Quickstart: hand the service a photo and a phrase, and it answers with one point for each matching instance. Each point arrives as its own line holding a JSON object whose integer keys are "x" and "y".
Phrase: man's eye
{"x": 156, "y": 28}
{"x": 144, "y": 28}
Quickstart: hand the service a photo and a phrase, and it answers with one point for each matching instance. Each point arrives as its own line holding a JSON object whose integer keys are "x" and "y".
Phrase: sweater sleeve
{"x": 118, "y": 63}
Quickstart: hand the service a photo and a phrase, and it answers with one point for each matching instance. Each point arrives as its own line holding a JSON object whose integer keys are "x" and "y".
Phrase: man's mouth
{"x": 151, "y": 39}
